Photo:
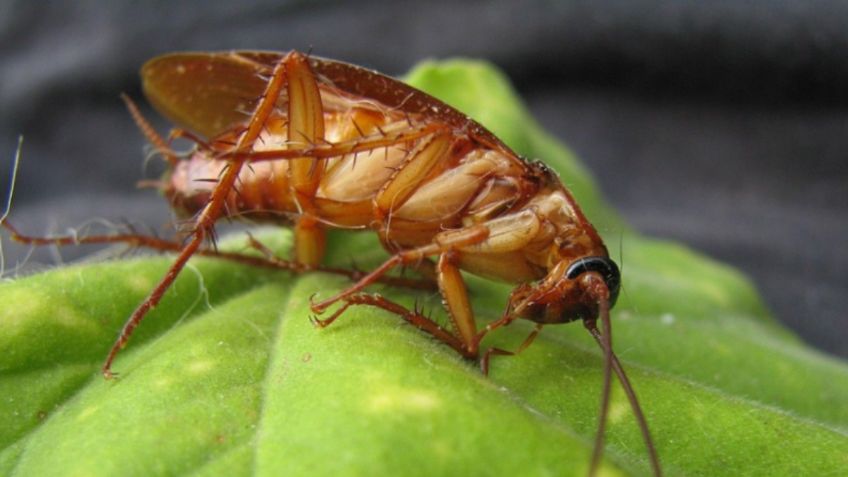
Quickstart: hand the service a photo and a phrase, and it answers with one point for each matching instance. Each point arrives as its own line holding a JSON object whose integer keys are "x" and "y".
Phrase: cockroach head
{"x": 603, "y": 266}
{"x": 570, "y": 291}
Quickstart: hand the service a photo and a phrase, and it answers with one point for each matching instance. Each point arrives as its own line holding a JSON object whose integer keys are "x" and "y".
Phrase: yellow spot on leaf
{"x": 399, "y": 399}
{"x": 200, "y": 366}
{"x": 87, "y": 412}
{"x": 618, "y": 410}
{"x": 139, "y": 283}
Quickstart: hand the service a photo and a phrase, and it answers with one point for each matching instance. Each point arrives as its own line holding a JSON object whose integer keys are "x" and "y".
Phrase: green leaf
{"x": 227, "y": 376}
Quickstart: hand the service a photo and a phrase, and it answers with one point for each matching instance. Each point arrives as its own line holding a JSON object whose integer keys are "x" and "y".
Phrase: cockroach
{"x": 313, "y": 143}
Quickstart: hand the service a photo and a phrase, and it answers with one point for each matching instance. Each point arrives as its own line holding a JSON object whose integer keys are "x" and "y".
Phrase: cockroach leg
{"x": 515, "y": 299}
{"x": 442, "y": 243}
{"x": 305, "y": 128}
{"x": 269, "y": 260}
{"x": 484, "y": 361}
{"x": 210, "y": 213}
{"x": 406, "y": 180}
{"x": 326, "y": 150}
{"x": 450, "y": 282}
{"x": 149, "y": 132}
{"x": 309, "y": 240}
{"x": 455, "y": 297}
{"x": 414, "y": 318}
{"x": 132, "y": 239}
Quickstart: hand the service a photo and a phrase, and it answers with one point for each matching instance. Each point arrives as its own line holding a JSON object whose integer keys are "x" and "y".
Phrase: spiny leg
{"x": 455, "y": 297}
{"x": 451, "y": 285}
{"x": 413, "y": 317}
{"x": 326, "y": 150}
{"x": 305, "y": 127}
{"x": 268, "y": 260}
{"x": 210, "y": 213}
{"x": 407, "y": 178}
{"x": 412, "y": 173}
{"x": 500, "y": 235}
{"x": 454, "y": 294}
{"x": 318, "y": 149}
{"x": 442, "y": 242}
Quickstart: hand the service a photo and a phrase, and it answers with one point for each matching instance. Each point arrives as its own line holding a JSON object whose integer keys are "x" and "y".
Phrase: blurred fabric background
{"x": 720, "y": 124}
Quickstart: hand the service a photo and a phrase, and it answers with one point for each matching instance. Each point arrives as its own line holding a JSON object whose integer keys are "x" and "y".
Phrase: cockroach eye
{"x": 603, "y": 265}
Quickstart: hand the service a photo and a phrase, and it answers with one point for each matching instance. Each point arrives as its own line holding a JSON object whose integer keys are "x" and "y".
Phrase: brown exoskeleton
{"x": 328, "y": 144}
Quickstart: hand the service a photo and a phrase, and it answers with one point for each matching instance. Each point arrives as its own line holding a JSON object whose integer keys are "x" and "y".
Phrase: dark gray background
{"x": 722, "y": 124}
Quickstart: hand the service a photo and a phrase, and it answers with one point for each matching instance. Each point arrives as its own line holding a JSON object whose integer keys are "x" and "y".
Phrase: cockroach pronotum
{"x": 313, "y": 143}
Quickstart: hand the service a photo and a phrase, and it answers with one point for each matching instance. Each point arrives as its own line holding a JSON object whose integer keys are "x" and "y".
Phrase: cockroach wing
{"x": 206, "y": 93}
{"x": 209, "y": 92}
